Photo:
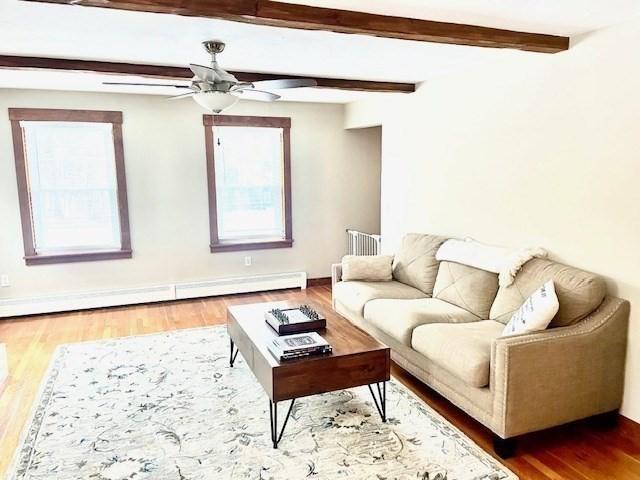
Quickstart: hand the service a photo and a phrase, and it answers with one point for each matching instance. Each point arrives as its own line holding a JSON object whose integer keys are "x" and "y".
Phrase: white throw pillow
{"x": 535, "y": 313}
{"x": 372, "y": 268}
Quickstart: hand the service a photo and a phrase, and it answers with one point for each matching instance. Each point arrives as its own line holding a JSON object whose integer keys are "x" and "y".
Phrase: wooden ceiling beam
{"x": 288, "y": 15}
{"x": 183, "y": 73}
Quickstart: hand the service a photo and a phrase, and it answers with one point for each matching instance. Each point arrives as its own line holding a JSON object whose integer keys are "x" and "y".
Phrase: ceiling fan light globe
{"x": 215, "y": 102}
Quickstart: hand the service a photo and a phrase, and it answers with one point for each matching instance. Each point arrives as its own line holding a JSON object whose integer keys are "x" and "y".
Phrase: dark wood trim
{"x": 56, "y": 115}
{"x": 183, "y": 73}
{"x": 211, "y": 187}
{"x": 32, "y": 257}
{"x": 24, "y": 199}
{"x": 318, "y": 282}
{"x": 245, "y": 121}
{"x": 240, "y": 246}
{"x": 210, "y": 122}
{"x": 77, "y": 257}
{"x": 288, "y": 201}
{"x": 289, "y": 15}
{"x": 121, "y": 188}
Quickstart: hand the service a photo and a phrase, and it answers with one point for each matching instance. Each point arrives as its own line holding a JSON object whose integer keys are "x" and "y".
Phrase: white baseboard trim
{"x": 14, "y": 307}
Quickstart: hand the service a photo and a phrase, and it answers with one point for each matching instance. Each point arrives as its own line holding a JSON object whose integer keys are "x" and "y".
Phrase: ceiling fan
{"x": 216, "y": 89}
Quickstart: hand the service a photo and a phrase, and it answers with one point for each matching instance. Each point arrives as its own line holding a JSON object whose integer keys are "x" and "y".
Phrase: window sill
{"x": 230, "y": 246}
{"x": 70, "y": 257}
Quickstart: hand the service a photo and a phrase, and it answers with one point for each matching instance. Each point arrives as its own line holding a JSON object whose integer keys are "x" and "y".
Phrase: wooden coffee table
{"x": 357, "y": 359}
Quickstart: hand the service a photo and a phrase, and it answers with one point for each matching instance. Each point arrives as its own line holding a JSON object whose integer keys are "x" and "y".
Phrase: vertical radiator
{"x": 361, "y": 243}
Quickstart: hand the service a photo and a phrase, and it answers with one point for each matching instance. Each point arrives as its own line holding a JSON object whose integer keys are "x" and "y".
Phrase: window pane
{"x": 73, "y": 186}
{"x": 249, "y": 182}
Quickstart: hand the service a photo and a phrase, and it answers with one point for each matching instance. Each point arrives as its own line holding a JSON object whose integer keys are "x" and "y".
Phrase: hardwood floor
{"x": 581, "y": 451}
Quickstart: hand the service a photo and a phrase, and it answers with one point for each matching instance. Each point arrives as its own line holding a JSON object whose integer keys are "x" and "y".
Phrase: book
{"x": 289, "y": 356}
{"x": 287, "y": 347}
{"x": 295, "y": 320}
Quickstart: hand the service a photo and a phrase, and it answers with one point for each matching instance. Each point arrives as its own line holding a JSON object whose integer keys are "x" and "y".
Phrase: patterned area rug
{"x": 168, "y": 407}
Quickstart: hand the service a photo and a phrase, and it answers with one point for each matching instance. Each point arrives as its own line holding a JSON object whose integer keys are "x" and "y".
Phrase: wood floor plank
{"x": 580, "y": 451}
{"x": 552, "y": 467}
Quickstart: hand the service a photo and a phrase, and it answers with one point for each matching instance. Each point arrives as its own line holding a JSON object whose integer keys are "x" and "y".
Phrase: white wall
{"x": 540, "y": 149}
{"x": 166, "y": 177}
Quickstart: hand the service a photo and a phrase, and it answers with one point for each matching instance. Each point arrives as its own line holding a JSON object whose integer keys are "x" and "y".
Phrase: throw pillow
{"x": 372, "y": 268}
{"x": 536, "y": 312}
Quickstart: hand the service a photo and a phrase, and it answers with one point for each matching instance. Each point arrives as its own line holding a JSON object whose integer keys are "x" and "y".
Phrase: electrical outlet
{"x": 4, "y": 281}
{"x": 247, "y": 261}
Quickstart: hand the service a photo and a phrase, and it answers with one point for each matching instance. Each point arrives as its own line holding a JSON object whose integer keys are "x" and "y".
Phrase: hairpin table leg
{"x": 381, "y": 400}
{"x": 273, "y": 417}
{"x": 232, "y": 354}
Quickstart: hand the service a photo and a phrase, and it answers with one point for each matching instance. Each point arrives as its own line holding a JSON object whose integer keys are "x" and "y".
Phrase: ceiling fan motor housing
{"x": 213, "y": 47}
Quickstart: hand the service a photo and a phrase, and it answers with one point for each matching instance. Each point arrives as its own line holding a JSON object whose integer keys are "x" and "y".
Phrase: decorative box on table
{"x": 295, "y": 320}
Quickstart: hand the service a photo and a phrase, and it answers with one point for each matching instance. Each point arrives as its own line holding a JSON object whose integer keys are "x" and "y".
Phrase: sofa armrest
{"x": 336, "y": 276}
{"x": 553, "y": 377}
{"x": 336, "y": 273}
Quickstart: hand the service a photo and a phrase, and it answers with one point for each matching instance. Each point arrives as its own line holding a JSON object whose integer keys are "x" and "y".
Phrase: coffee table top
{"x": 342, "y": 335}
{"x": 357, "y": 357}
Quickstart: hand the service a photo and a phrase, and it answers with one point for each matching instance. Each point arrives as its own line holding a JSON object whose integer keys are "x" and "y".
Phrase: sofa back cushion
{"x": 579, "y": 292}
{"x": 467, "y": 287}
{"x": 415, "y": 263}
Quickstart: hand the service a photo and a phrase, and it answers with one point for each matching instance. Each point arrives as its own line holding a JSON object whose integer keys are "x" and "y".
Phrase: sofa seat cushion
{"x": 579, "y": 292}
{"x": 398, "y": 318}
{"x": 355, "y": 294}
{"x": 463, "y": 349}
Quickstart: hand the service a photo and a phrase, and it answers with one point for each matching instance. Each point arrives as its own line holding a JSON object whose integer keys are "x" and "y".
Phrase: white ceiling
{"x": 36, "y": 29}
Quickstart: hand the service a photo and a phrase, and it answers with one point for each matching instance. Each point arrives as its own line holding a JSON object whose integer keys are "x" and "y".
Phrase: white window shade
{"x": 72, "y": 186}
{"x": 249, "y": 169}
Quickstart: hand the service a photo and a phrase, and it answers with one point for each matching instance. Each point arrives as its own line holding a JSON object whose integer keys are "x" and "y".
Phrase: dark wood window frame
{"x": 210, "y": 122}
{"x": 31, "y": 257}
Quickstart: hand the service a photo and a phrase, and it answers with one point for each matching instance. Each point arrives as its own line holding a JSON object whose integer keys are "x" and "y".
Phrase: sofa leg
{"x": 504, "y": 447}
{"x": 606, "y": 420}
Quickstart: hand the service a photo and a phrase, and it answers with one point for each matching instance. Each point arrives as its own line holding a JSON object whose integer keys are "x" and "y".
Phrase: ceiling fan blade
{"x": 224, "y": 75}
{"x": 183, "y": 95}
{"x": 252, "y": 94}
{"x": 147, "y": 84}
{"x": 204, "y": 73}
{"x": 286, "y": 83}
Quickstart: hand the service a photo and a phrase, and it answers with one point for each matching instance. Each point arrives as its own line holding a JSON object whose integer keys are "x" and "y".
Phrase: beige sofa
{"x": 443, "y": 322}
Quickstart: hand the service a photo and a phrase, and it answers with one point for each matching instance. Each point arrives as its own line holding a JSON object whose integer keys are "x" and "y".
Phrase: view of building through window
{"x": 72, "y": 186}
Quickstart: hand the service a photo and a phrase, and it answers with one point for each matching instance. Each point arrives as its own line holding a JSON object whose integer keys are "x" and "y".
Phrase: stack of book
{"x": 287, "y": 347}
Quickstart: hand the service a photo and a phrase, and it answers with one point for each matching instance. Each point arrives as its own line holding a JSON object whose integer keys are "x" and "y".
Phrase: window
{"x": 249, "y": 174}
{"x": 71, "y": 185}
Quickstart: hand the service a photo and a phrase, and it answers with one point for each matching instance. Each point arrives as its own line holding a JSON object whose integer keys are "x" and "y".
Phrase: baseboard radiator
{"x": 360, "y": 243}
{"x": 13, "y": 307}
